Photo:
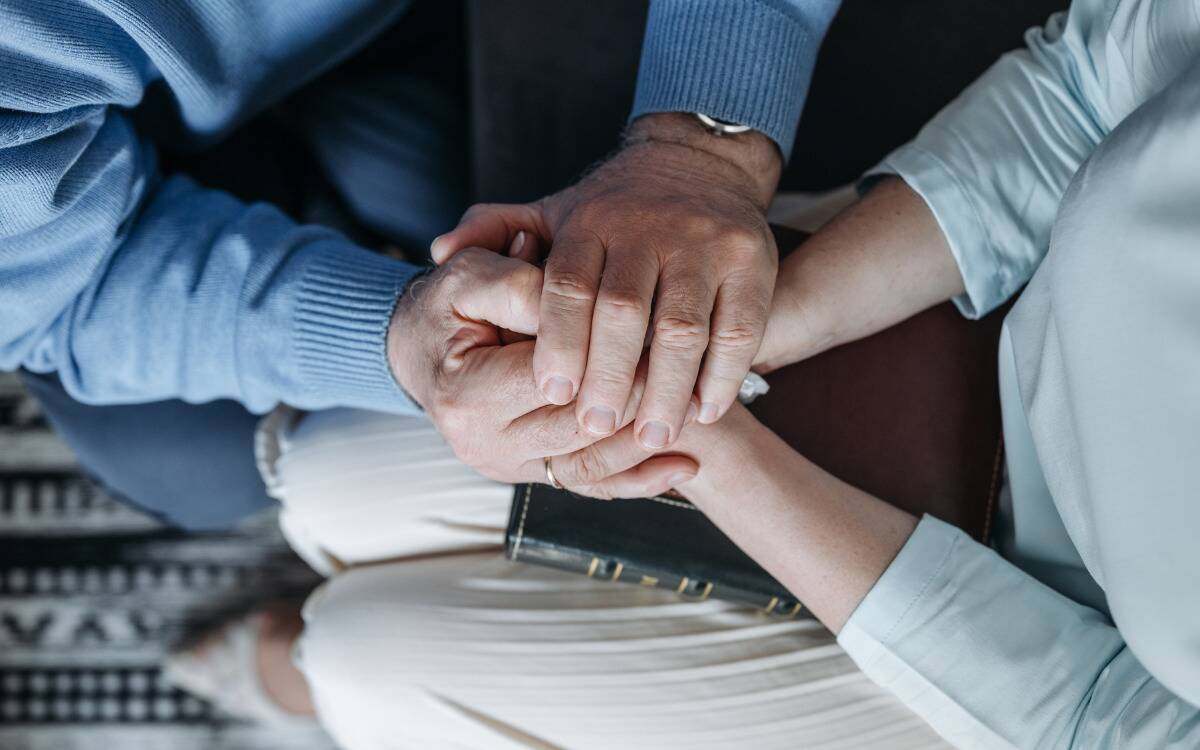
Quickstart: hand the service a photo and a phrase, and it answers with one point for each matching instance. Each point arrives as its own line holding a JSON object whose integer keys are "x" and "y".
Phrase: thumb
{"x": 499, "y": 290}
{"x": 494, "y": 227}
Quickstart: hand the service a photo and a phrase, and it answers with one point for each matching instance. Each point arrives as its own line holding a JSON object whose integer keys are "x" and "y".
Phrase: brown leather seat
{"x": 911, "y": 414}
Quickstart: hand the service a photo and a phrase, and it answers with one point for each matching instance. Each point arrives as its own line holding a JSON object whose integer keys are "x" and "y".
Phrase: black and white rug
{"x": 93, "y": 595}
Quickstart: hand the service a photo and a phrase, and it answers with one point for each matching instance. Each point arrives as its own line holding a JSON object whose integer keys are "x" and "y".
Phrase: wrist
{"x": 802, "y": 324}
{"x": 403, "y": 352}
{"x": 728, "y": 452}
{"x": 749, "y": 162}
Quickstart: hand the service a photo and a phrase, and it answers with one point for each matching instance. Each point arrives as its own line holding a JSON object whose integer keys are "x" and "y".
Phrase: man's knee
{"x": 359, "y": 487}
{"x": 189, "y": 465}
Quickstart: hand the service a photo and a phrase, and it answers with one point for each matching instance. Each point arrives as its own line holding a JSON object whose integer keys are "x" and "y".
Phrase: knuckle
{"x": 703, "y": 225}
{"x": 594, "y": 491}
{"x": 474, "y": 259}
{"x": 607, "y": 383}
{"x": 730, "y": 233}
{"x": 597, "y": 211}
{"x": 451, "y": 409}
{"x": 680, "y": 332}
{"x": 598, "y": 491}
{"x": 624, "y": 303}
{"x": 478, "y": 209}
{"x": 741, "y": 237}
{"x": 458, "y": 270}
{"x": 453, "y": 423}
{"x": 568, "y": 472}
{"x": 549, "y": 437}
{"x": 733, "y": 340}
{"x": 590, "y": 467}
{"x": 742, "y": 241}
{"x": 569, "y": 286}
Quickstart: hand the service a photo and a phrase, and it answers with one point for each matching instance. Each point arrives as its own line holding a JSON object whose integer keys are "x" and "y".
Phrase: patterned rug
{"x": 93, "y": 595}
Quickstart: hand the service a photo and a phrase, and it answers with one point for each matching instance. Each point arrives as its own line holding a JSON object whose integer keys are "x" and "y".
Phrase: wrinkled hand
{"x": 669, "y": 235}
{"x": 702, "y": 453}
{"x": 446, "y": 349}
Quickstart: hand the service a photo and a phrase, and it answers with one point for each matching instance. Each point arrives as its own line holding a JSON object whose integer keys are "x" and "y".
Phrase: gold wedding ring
{"x": 550, "y": 478}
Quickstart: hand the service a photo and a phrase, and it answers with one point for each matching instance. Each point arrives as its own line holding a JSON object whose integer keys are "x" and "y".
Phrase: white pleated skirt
{"x": 425, "y": 636}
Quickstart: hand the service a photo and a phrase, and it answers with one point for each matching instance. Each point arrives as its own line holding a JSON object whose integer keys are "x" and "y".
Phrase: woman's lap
{"x": 1109, "y": 368}
{"x": 471, "y": 650}
{"x": 432, "y": 639}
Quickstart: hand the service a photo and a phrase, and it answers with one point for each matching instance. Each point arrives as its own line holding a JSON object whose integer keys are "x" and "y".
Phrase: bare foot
{"x": 279, "y": 627}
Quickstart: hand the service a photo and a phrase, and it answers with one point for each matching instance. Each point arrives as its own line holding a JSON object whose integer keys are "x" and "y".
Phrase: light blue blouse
{"x": 1084, "y": 145}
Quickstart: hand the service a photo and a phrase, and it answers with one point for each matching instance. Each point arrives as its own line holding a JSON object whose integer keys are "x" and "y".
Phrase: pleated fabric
{"x": 426, "y": 637}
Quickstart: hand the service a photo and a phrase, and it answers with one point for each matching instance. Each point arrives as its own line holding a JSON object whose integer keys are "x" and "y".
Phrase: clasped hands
{"x": 658, "y": 275}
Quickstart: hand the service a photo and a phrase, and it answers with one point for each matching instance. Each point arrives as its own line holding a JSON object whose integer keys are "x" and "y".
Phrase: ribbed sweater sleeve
{"x": 137, "y": 288}
{"x": 745, "y": 61}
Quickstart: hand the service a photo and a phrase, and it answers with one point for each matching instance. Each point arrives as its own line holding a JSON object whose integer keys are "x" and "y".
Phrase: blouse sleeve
{"x": 993, "y": 165}
{"x": 991, "y": 658}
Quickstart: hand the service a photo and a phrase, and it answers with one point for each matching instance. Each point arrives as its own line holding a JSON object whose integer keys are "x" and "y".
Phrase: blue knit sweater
{"x": 135, "y": 287}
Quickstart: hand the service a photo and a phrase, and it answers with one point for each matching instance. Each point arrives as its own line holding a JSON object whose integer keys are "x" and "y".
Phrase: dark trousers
{"x": 189, "y": 465}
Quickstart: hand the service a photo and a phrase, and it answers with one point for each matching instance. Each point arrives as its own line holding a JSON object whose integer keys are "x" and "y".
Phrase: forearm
{"x": 877, "y": 263}
{"x": 995, "y": 163}
{"x": 207, "y": 298}
{"x": 979, "y": 649}
{"x": 826, "y": 541}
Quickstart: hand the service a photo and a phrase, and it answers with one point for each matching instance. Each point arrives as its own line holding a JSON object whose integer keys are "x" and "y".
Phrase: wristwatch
{"x": 720, "y": 127}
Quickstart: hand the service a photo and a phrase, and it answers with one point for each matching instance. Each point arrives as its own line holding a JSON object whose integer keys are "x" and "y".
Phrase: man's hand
{"x": 703, "y": 453}
{"x": 670, "y": 236}
{"x": 446, "y": 348}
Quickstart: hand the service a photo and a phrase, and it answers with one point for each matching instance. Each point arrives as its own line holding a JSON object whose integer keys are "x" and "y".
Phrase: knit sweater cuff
{"x": 744, "y": 61}
{"x": 340, "y": 335}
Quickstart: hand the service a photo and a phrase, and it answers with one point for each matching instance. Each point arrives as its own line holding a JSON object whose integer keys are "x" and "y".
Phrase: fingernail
{"x": 655, "y": 435}
{"x": 600, "y": 420}
{"x": 558, "y": 390}
{"x": 708, "y": 412}
{"x": 680, "y": 478}
{"x": 691, "y": 413}
{"x": 517, "y": 243}
{"x": 435, "y": 241}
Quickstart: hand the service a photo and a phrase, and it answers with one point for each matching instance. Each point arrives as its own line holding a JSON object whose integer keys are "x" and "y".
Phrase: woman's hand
{"x": 823, "y": 539}
{"x": 878, "y": 262}
{"x": 826, "y": 541}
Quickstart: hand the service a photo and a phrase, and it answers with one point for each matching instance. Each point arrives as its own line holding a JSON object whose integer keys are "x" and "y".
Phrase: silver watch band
{"x": 721, "y": 127}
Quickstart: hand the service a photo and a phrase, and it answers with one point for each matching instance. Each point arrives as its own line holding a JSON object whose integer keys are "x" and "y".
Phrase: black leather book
{"x": 660, "y": 542}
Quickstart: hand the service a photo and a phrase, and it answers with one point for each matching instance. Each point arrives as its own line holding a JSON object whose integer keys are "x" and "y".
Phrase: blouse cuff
{"x": 917, "y": 571}
{"x": 891, "y": 635}
{"x": 987, "y": 277}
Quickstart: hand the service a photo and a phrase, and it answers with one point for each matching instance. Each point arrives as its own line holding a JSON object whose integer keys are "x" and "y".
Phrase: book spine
{"x": 622, "y": 571}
